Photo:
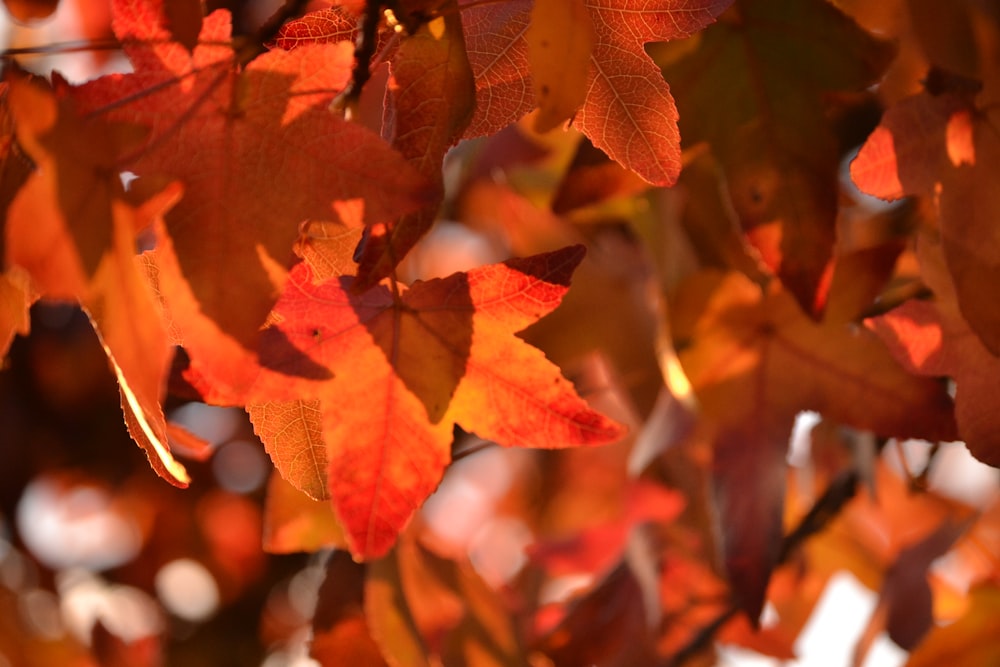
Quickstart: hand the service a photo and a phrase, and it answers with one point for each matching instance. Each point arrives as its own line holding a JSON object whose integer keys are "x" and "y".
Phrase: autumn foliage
{"x": 524, "y": 300}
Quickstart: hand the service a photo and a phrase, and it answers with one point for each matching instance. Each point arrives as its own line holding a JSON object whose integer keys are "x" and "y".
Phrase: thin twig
{"x": 823, "y": 511}
{"x": 63, "y": 47}
{"x": 364, "y": 49}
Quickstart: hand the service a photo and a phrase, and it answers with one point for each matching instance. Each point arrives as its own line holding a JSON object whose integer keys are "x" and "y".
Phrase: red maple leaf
{"x": 405, "y": 367}
{"x": 257, "y": 150}
{"x": 628, "y": 110}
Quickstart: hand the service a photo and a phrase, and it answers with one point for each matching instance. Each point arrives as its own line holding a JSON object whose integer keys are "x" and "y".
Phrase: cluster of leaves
{"x": 276, "y": 229}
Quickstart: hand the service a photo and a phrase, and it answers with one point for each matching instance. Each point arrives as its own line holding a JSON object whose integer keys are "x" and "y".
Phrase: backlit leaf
{"x": 628, "y": 113}
{"x": 73, "y": 230}
{"x": 560, "y": 39}
{"x": 932, "y": 338}
{"x": 292, "y": 434}
{"x": 430, "y": 100}
{"x": 332, "y": 24}
{"x": 908, "y": 151}
{"x": 259, "y": 133}
{"x": 404, "y": 371}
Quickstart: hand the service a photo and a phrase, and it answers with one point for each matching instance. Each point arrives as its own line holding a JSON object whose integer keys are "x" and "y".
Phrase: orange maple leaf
{"x": 628, "y": 112}
{"x": 406, "y": 367}
{"x": 257, "y": 150}
{"x": 932, "y": 338}
{"x": 72, "y": 228}
{"x": 945, "y": 147}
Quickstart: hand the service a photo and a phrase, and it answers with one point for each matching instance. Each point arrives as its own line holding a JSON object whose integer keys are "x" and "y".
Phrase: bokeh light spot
{"x": 187, "y": 589}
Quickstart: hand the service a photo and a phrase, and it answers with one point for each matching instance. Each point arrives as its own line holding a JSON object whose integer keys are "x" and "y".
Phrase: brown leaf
{"x": 754, "y": 87}
{"x": 906, "y": 593}
{"x": 970, "y": 204}
{"x": 607, "y": 626}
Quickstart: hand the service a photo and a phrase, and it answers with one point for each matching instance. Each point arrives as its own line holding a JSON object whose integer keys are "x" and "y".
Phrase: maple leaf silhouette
{"x": 405, "y": 368}
{"x": 754, "y": 89}
{"x": 755, "y": 360}
{"x": 258, "y": 152}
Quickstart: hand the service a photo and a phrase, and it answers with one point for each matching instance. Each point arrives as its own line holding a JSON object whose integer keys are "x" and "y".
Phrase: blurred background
{"x": 101, "y": 562}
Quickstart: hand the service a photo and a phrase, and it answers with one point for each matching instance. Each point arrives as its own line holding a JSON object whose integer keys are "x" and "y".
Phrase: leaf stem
{"x": 63, "y": 47}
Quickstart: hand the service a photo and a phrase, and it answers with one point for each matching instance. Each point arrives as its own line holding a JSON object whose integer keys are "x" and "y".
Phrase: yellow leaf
{"x": 560, "y": 40}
